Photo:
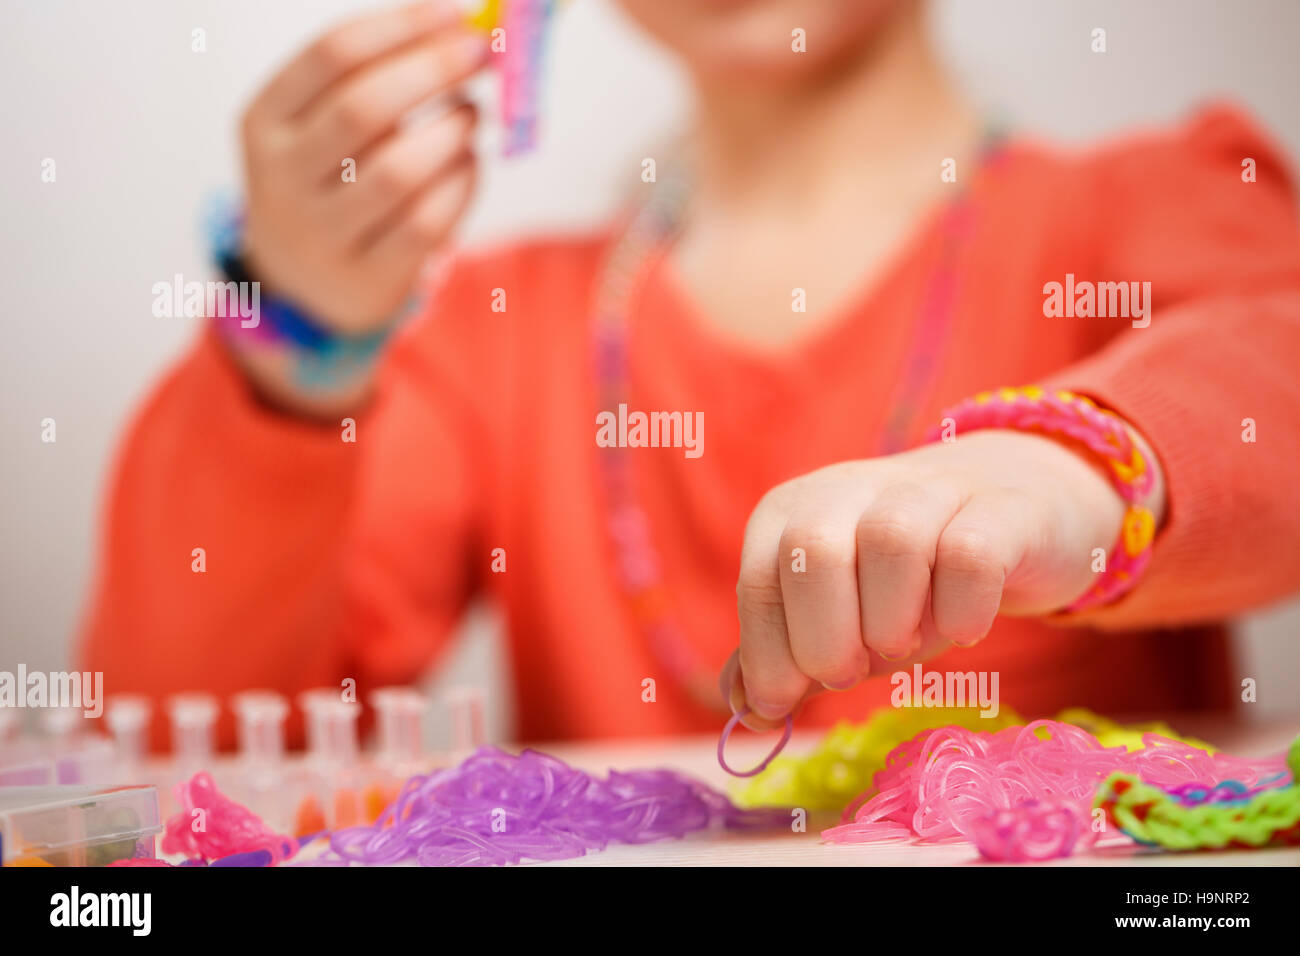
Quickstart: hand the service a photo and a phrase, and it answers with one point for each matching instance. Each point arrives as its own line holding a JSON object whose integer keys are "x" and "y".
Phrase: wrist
{"x": 296, "y": 359}
{"x": 330, "y": 310}
{"x": 1114, "y": 452}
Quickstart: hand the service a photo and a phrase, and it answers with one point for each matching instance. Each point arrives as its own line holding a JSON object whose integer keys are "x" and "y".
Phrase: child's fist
{"x": 346, "y": 196}
{"x": 896, "y": 558}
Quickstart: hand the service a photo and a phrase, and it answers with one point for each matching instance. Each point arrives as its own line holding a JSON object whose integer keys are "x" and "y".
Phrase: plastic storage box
{"x": 77, "y": 826}
{"x": 87, "y": 761}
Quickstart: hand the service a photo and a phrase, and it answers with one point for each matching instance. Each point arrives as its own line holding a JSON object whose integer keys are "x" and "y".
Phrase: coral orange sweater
{"x": 327, "y": 559}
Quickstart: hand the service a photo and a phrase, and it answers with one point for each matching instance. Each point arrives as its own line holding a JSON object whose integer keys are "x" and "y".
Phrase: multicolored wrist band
{"x": 323, "y": 359}
{"x": 1106, "y": 435}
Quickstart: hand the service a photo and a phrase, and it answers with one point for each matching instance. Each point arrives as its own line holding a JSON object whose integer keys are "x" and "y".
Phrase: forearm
{"x": 1212, "y": 390}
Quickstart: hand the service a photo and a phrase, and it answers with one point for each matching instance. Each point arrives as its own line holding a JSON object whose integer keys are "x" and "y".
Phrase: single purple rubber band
{"x": 304, "y": 840}
{"x": 726, "y": 734}
{"x": 250, "y": 858}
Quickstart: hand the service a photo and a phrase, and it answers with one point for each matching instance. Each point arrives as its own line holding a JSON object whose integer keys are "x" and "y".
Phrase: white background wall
{"x": 141, "y": 129}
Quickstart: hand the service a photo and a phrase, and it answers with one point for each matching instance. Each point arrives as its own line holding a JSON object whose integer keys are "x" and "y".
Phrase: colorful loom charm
{"x": 496, "y": 808}
{"x": 1030, "y": 831}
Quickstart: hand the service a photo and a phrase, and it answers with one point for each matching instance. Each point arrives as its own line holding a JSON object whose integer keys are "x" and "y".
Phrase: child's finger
{"x": 427, "y": 220}
{"x": 732, "y": 684}
{"x": 977, "y": 551}
{"x": 817, "y": 558}
{"x": 399, "y": 169}
{"x": 896, "y": 538}
{"x": 773, "y": 682}
{"x": 926, "y": 642}
{"x": 372, "y": 103}
{"x": 345, "y": 48}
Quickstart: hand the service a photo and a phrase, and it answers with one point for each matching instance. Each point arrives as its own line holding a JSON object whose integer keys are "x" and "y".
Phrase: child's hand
{"x": 907, "y": 554}
{"x": 350, "y": 252}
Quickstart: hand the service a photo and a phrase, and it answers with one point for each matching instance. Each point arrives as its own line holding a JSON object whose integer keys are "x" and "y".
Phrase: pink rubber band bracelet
{"x": 726, "y": 735}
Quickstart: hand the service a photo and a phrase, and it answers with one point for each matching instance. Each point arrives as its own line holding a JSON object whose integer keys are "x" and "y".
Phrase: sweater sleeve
{"x": 416, "y": 522}
{"x": 1211, "y": 381}
{"x": 244, "y": 548}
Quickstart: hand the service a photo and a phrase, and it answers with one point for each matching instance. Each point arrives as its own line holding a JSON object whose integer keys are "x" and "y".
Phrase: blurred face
{"x": 756, "y": 40}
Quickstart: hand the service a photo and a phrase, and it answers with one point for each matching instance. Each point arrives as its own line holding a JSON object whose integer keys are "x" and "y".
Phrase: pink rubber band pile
{"x": 226, "y": 827}
{"x": 1013, "y": 793}
{"x": 498, "y": 809}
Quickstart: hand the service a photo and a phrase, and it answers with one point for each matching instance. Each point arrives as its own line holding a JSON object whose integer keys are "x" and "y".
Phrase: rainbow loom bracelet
{"x": 1058, "y": 412}
{"x": 1230, "y": 814}
{"x": 323, "y": 359}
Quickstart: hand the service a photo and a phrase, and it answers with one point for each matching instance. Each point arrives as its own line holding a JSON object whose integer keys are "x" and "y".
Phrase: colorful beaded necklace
{"x": 648, "y": 236}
